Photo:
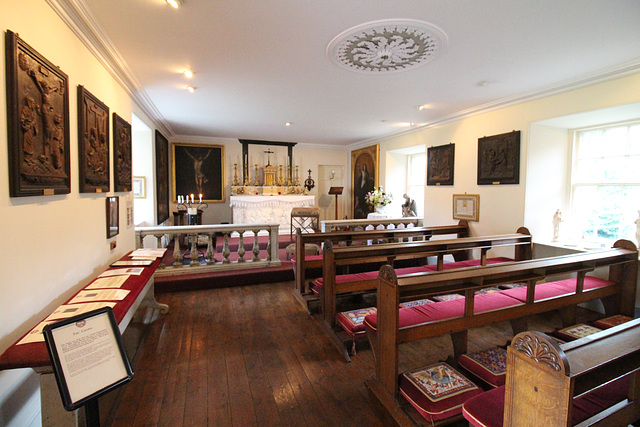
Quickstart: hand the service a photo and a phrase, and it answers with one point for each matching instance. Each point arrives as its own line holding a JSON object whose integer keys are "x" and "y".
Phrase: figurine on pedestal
{"x": 409, "y": 207}
{"x": 557, "y": 219}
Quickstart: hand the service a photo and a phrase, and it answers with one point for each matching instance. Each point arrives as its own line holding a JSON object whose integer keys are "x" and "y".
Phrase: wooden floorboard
{"x": 251, "y": 355}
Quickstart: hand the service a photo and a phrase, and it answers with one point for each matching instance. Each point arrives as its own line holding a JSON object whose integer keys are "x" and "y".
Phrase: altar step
{"x": 240, "y": 277}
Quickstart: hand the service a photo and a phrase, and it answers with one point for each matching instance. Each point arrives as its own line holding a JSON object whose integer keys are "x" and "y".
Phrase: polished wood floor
{"x": 251, "y": 355}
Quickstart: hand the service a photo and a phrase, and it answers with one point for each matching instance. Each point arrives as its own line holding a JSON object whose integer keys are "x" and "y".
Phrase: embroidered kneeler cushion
{"x": 416, "y": 303}
{"x": 353, "y": 321}
{"x": 438, "y": 391}
{"x": 490, "y": 365}
{"x": 575, "y": 332}
{"x": 611, "y": 321}
{"x": 447, "y": 297}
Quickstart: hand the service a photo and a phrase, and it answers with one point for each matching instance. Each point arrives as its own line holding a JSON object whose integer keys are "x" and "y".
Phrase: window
{"x": 605, "y": 190}
{"x": 416, "y": 179}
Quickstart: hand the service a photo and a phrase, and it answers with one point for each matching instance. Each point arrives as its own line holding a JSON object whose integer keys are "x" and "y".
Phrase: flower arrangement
{"x": 378, "y": 197}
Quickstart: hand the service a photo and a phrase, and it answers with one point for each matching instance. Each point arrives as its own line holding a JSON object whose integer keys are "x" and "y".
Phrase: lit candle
{"x": 179, "y": 199}
{"x": 192, "y": 199}
{"x": 200, "y": 198}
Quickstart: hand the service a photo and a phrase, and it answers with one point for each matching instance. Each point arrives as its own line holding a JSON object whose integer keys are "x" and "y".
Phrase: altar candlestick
{"x": 192, "y": 199}
{"x": 200, "y": 198}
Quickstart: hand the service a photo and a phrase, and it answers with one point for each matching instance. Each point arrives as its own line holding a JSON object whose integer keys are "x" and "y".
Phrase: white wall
{"x": 143, "y": 156}
{"x": 52, "y": 245}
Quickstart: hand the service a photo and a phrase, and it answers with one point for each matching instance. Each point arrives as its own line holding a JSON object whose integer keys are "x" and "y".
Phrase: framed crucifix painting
{"x": 199, "y": 170}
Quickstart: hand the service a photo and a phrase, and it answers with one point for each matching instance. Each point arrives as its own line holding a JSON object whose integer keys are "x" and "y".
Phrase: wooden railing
{"x": 374, "y": 223}
{"x": 205, "y": 235}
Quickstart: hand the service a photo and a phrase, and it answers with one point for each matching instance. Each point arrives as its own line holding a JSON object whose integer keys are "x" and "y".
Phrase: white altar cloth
{"x": 268, "y": 209}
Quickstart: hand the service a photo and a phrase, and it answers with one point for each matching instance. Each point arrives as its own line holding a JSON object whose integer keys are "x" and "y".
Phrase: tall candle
{"x": 192, "y": 199}
{"x": 200, "y": 198}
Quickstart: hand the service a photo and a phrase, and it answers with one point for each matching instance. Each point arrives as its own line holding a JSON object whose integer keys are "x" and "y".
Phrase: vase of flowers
{"x": 378, "y": 198}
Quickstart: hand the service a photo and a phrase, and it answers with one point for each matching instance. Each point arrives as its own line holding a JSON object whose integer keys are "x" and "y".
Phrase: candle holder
{"x": 297, "y": 181}
{"x": 255, "y": 176}
{"x": 236, "y": 181}
{"x": 280, "y": 175}
{"x": 289, "y": 183}
{"x": 191, "y": 208}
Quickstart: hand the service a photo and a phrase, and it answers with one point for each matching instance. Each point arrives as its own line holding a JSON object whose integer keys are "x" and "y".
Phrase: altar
{"x": 268, "y": 209}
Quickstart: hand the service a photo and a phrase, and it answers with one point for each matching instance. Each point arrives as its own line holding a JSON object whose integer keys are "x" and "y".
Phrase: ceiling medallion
{"x": 387, "y": 46}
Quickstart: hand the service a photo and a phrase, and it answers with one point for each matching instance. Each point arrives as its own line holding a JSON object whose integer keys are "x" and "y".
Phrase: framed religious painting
{"x": 198, "y": 170}
{"x": 113, "y": 216}
{"x": 122, "y": 178}
{"x": 499, "y": 159}
{"x": 93, "y": 143}
{"x": 162, "y": 178}
{"x": 37, "y": 122}
{"x": 364, "y": 178}
{"x": 440, "y": 161}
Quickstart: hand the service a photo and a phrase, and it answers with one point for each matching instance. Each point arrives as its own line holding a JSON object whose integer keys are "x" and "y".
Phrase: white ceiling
{"x": 261, "y": 63}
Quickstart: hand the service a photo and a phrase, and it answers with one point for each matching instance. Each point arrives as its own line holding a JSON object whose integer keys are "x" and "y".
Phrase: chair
{"x": 308, "y": 220}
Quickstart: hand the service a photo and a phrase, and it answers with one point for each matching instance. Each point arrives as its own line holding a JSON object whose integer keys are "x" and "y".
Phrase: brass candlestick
{"x": 280, "y": 175}
{"x": 247, "y": 182}
{"x": 297, "y": 182}
{"x": 255, "y": 177}
{"x": 236, "y": 181}
{"x": 288, "y": 176}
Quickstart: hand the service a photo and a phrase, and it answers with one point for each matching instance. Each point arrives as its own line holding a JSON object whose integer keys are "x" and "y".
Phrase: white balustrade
{"x": 370, "y": 224}
{"x": 201, "y": 261}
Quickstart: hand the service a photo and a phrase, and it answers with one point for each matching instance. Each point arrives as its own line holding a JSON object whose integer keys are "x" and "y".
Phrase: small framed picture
{"x": 466, "y": 206}
{"x": 113, "y": 213}
{"x": 139, "y": 187}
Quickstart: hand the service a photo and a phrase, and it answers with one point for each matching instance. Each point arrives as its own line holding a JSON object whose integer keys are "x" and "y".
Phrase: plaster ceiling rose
{"x": 387, "y": 46}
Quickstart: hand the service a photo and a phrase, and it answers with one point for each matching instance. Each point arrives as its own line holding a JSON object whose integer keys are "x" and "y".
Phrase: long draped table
{"x": 268, "y": 209}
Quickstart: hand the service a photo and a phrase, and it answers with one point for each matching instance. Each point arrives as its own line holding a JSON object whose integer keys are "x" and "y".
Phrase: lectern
{"x": 336, "y": 191}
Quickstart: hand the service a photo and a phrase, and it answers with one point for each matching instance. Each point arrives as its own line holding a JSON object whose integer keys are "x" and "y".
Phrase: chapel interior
{"x": 329, "y": 213}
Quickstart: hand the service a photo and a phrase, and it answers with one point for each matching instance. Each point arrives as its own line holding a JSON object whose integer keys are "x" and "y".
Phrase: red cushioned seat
{"x": 308, "y": 258}
{"x": 445, "y": 310}
{"x": 353, "y": 321}
{"x": 555, "y": 289}
{"x": 575, "y": 332}
{"x": 490, "y": 365}
{"x": 477, "y": 262}
{"x": 438, "y": 391}
{"x": 485, "y": 410}
{"x": 611, "y": 321}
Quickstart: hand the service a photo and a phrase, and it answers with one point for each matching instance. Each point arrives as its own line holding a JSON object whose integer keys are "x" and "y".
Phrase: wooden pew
{"x": 336, "y": 257}
{"x": 304, "y": 263}
{"x": 587, "y": 381}
{"x": 392, "y": 326}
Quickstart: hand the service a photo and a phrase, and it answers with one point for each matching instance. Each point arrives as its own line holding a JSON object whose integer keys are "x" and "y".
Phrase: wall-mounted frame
{"x": 113, "y": 216}
{"x": 93, "y": 143}
{"x": 87, "y": 368}
{"x": 499, "y": 159}
{"x": 199, "y": 169}
{"x": 440, "y": 164}
{"x": 466, "y": 206}
{"x": 37, "y": 122}
{"x": 121, "y": 154}
{"x": 139, "y": 187}
{"x": 162, "y": 178}
{"x": 364, "y": 178}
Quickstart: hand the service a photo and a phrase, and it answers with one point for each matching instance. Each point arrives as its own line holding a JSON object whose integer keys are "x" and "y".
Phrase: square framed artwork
{"x": 440, "y": 163}
{"x": 499, "y": 159}
{"x": 364, "y": 178}
{"x": 139, "y": 187}
{"x": 37, "y": 122}
{"x": 199, "y": 169}
{"x": 93, "y": 143}
{"x": 466, "y": 207}
{"x": 162, "y": 178}
{"x": 121, "y": 154}
{"x": 113, "y": 216}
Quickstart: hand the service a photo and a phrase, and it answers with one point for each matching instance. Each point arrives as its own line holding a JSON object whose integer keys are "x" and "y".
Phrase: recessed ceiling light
{"x": 187, "y": 73}
{"x": 288, "y": 124}
{"x": 423, "y": 107}
{"x": 191, "y": 89}
{"x": 174, "y": 3}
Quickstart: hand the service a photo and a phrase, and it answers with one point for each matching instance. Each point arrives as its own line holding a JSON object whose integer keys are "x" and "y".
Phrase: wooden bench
{"x": 34, "y": 355}
{"x": 587, "y": 381}
{"x": 334, "y": 285}
{"x": 392, "y": 325}
{"x": 304, "y": 263}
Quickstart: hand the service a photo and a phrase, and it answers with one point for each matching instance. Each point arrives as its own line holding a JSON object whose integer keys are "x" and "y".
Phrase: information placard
{"x": 88, "y": 356}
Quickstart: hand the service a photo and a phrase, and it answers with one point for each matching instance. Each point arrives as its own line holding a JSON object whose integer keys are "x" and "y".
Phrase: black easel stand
{"x": 92, "y": 413}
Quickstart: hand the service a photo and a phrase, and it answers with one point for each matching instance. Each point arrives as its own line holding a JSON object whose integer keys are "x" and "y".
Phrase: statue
{"x": 557, "y": 219}
{"x": 409, "y": 206}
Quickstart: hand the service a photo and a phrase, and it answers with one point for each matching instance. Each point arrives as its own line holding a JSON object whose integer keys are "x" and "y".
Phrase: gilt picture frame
{"x": 122, "y": 156}
{"x": 440, "y": 164}
{"x": 139, "y": 187}
{"x": 499, "y": 159}
{"x": 198, "y": 169}
{"x": 93, "y": 143}
{"x": 162, "y": 177}
{"x": 466, "y": 207}
{"x": 37, "y": 122}
{"x": 364, "y": 178}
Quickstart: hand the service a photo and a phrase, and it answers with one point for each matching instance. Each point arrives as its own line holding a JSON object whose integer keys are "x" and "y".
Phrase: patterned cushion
{"x": 438, "y": 391}
{"x": 609, "y": 322}
{"x": 353, "y": 321}
{"x": 416, "y": 303}
{"x": 512, "y": 285}
{"x": 489, "y": 290}
{"x": 448, "y": 297}
{"x": 576, "y": 332}
{"x": 489, "y": 365}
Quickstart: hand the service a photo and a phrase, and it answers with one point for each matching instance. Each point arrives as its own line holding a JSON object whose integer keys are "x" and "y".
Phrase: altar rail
{"x": 375, "y": 223}
{"x": 203, "y": 261}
